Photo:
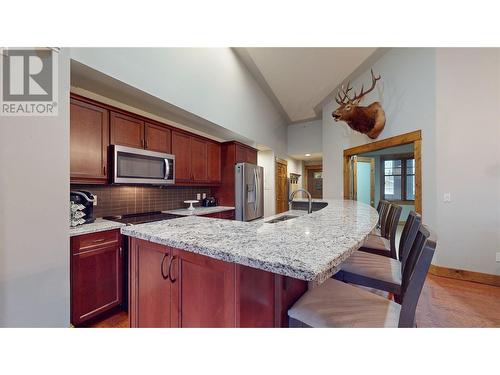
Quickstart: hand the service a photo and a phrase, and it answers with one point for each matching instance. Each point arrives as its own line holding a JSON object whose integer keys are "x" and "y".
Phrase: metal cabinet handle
{"x": 121, "y": 252}
{"x": 165, "y": 277}
{"x": 104, "y": 170}
{"x": 99, "y": 240}
{"x": 173, "y": 280}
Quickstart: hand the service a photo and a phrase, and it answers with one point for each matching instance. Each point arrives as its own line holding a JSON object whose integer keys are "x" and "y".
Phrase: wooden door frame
{"x": 414, "y": 137}
{"x": 370, "y": 160}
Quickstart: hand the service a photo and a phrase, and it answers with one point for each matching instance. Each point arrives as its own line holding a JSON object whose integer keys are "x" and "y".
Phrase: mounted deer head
{"x": 367, "y": 120}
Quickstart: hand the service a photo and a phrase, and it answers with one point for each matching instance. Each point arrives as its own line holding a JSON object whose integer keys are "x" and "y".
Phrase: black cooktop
{"x": 142, "y": 218}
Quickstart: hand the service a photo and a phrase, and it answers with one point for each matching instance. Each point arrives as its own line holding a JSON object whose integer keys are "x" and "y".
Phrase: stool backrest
{"x": 391, "y": 227}
{"x": 408, "y": 235}
{"x": 382, "y": 217}
{"x": 417, "y": 267}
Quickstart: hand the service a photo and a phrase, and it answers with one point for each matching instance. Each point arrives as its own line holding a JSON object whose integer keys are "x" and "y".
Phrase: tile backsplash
{"x": 120, "y": 200}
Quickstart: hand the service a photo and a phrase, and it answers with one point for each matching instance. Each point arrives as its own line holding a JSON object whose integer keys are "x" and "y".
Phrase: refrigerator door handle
{"x": 255, "y": 191}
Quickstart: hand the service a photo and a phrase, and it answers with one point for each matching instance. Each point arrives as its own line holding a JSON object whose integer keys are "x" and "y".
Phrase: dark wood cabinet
{"x": 95, "y": 126}
{"x": 227, "y": 215}
{"x": 157, "y": 138}
{"x": 150, "y": 283}
{"x": 89, "y": 141}
{"x": 181, "y": 148}
{"x": 199, "y": 160}
{"x": 96, "y": 274}
{"x": 232, "y": 153}
{"x": 176, "y": 288}
{"x": 214, "y": 162}
{"x": 127, "y": 130}
{"x": 203, "y": 291}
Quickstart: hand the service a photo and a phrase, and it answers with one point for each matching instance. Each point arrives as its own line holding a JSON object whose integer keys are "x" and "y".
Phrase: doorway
{"x": 400, "y": 170}
{"x": 314, "y": 180}
{"x": 364, "y": 179}
{"x": 281, "y": 186}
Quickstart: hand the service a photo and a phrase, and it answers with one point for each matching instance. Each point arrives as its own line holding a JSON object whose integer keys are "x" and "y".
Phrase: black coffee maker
{"x": 86, "y": 199}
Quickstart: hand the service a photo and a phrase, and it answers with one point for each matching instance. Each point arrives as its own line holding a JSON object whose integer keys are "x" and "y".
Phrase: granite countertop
{"x": 309, "y": 247}
{"x": 99, "y": 225}
{"x": 199, "y": 210}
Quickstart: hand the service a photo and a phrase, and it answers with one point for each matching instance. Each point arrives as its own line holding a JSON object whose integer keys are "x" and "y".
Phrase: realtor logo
{"x": 29, "y": 82}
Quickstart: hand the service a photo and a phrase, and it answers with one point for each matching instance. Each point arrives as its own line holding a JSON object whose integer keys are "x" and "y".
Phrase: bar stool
{"x": 337, "y": 304}
{"x": 386, "y": 243}
{"x": 380, "y": 271}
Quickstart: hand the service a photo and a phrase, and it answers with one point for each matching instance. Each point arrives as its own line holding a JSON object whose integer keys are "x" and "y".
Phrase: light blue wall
{"x": 363, "y": 182}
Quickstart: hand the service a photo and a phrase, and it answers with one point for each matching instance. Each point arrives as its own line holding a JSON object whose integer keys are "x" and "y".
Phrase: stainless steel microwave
{"x": 138, "y": 166}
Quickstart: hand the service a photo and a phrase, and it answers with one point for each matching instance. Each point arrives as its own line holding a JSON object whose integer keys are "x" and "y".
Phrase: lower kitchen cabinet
{"x": 176, "y": 288}
{"x": 150, "y": 284}
{"x": 96, "y": 274}
{"x": 228, "y": 215}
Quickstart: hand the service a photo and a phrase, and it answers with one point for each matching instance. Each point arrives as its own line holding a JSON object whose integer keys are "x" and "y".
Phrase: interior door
{"x": 315, "y": 182}
{"x": 364, "y": 180}
{"x": 281, "y": 187}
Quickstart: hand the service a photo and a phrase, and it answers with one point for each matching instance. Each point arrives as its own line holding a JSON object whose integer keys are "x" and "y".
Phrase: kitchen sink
{"x": 281, "y": 218}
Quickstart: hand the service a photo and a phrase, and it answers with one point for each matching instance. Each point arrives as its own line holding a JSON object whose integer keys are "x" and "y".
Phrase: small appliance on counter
{"x": 82, "y": 207}
{"x": 209, "y": 202}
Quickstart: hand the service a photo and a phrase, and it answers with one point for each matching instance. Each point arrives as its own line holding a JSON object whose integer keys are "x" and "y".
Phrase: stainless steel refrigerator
{"x": 249, "y": 191}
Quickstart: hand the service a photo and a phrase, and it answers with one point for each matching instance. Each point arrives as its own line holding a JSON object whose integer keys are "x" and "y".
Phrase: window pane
{"x": 392, "y": 167}
{"x": 392, "y": 187}
{"x": 410, "y": 187}
{"x": 410, "y": 166}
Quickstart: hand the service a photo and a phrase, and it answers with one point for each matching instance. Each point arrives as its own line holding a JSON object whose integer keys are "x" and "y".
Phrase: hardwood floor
{"x": 444, "y": 303}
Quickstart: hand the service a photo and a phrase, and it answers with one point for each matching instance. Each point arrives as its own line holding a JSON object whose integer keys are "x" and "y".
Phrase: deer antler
{"x": 363, "y": 93}
{"x": 345, "y": 92}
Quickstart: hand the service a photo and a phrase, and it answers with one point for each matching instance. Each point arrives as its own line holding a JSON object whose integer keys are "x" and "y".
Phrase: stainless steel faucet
{"x": 290, "y": 200}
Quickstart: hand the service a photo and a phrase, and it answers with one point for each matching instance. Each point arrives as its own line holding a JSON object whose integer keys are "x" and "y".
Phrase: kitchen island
{"x": 198, "y": 272}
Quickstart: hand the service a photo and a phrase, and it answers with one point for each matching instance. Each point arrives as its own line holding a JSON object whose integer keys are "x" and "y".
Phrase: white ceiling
{"x": 300, "y": 78}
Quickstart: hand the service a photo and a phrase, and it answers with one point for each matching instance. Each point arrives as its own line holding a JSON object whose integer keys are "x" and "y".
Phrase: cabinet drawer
{"x": 91, "y": 240}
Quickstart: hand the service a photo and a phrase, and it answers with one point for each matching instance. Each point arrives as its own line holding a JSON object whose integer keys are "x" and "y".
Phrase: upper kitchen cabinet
{"x": 245, "y": 154}
{"x": 89, "y": 141}
{"x": 181, "y": 148}
{"x": 157, "y": 138}
{"x": 199, "y": 159}
{"x": 127, "y": 130}
{"x": 214, "y": 162}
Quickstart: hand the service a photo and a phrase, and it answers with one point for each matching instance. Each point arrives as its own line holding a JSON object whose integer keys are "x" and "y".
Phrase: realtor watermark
{"x": 29, "y": 82}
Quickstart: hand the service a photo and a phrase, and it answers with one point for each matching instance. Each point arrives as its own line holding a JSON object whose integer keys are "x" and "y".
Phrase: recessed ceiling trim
{"x": 244, "y": 56}
{"x": 370, "y": 60}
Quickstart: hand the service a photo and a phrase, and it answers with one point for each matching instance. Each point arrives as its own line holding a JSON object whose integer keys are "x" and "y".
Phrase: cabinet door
{"x": 127, "y": 130}
{"x": 214, "y": 162}
{"x": 89, "y": 141}
{"x": 251, "y": 156}
{"x": 96, "y": 280}
{"x": 181, "y": 148}
{"x": 153, "y": 288}
{"x": 203, "y": 293}
{"x": 241, "y": 154}
{"x": 157, "y": 138}
{"x": 199, "y": 160}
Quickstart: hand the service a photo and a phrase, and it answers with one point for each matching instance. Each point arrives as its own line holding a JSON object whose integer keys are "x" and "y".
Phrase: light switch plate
{"x": 95, "y": 199}
{"x": 447, "y": 197}
{"x": 198, "y": 196}
{"x": 498, "y": 257}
